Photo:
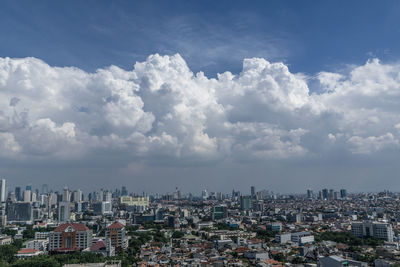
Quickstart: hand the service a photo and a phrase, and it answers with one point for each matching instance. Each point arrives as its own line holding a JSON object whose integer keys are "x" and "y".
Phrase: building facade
{"x": 116, "y": 237}
{"x": 70, "y": 237}
{"x": 379, "y": 230}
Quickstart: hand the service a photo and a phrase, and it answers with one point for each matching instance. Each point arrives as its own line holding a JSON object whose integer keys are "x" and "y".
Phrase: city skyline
{"x": 281, "y": 95}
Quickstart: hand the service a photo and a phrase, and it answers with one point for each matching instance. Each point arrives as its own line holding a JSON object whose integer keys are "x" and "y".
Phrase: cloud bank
{"x": 161, "y": 110}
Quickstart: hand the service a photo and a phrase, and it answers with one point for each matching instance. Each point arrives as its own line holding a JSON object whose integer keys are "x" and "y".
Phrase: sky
{"x": 216, "y": 95}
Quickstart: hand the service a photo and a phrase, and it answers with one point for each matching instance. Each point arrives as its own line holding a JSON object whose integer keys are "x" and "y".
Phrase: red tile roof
{"x": 116, "y": 225}
{"x": 27, "y": 250}
{"x": 75, "y": 226}
{"x": 98, "y": 246}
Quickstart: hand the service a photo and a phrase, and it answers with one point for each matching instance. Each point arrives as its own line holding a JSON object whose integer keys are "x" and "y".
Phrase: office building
{"x": 3, "y": 190}
{"x": 19, "y": 212}
{"x": 66, "y": 197}
{"x": 77, "y": 196}
{"x": 116, "y": 237}
{"x": 219, "y": 212}
{"x": 107, "y": 196}
{"x": 135, "y": 201}
{"x": 343, "y": 193}
{"x": 379, "y": 230}
{"x": 325, "y": 193}
{"x": 283, "y": 238}
{"x": 274, "y": 226}
{"x": 3, "y": 215}
{"x": 246, "y": 203}
{"x": 253, "y": 192}
{"x": 336, "y": 261}
{"x": 27, "y": 195}
{"x": 70, "y": 237}
{"x": 18, "y": 193}
{"x": 124, "y": 192}
{"x": 102, "y": 207}
{"x": 64, "y": 212}
{"x": 331, "y": 194}
{"x": 204, "y": 194}
{"x": 310, "y": 194}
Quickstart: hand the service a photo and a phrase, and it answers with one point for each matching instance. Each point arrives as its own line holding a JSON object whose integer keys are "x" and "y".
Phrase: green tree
{"x": 7, "y": 252}
{"x": 178, "y": 234}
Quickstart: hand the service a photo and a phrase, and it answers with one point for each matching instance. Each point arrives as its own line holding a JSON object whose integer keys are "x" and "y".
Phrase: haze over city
{"x": 215, "y": 95}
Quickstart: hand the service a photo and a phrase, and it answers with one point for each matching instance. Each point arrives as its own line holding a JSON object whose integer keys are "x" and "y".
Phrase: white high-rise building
{"x": 107, "y": 197}
{"x": 33, "y": 197}
{"x": 64, "y": 212}
{"x": 3, "y": 190}
{"x": 66, "y": 195}
{"x": 78, "y": 196}
{"x": 27, "y": 195}
{"x": 204, "y": 194}
{"x": 379, "y": 230}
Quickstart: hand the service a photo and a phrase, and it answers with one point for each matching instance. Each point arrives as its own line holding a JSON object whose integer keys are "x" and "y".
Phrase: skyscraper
{"x": 18, "y": 193}
{"x": 343, "y": 193}
{"x": 124, "y": 192}
{"x": 3, "y": 190}
{"x": 325, "y": 193}
{"x": 45, "y": 189}
{"x": 310, "y": 194}
{"x": 27, "y": 195}
{"x": 246, "y": 203}
{"x": 253, "y": 191}
{"x": 66, "y": 195}
{"x": 63, "y": 212}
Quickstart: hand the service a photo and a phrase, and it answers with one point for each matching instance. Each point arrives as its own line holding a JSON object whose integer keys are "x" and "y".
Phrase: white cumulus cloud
{"x": 161, "y": 109}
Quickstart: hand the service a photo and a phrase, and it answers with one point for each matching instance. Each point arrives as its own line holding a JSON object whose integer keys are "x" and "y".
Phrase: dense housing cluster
{"x": 261, "y": 228}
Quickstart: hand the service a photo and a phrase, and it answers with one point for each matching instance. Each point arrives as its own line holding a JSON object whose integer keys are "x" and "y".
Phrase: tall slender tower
{"x": 3, "y": 190}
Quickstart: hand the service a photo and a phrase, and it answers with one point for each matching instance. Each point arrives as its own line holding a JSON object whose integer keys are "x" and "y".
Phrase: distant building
{"x": 18, "y": 193}
{"x": 310, "y": 194}
{"x": 302, "y": 238}
{"x": 274, "y": 226}
{"x": 101, "y": 208}
{"x": 64, "y": 212}
{"x": 27, "y": 195}
{"x": 135, "y": 201}
{"x": 253, "y": 192}
{"x": 343, "y": 193}
{"x": 3, "y": 215}
{"x": 379, "y": 230}
{"x": 336, "y": 261}
{"x": 283, "y": 238}
{"x": 70, "y": 237}
{"x": 2, "y": 190}
{"x": 19, "y": 212}
{"x": 219, "y": 212}
{"x": 124, "y": 192}
{"x": 325, "y": 193}
{"x": 246, "y": 203}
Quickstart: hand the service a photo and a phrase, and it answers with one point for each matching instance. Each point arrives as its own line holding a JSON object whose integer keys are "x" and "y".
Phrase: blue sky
{"x": 151, "y": 125}
{"x": 212, "y": 36}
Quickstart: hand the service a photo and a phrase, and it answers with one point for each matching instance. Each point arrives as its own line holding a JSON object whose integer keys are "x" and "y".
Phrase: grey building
{"x": 19, "y": 212}
{"x": 246, "y": 203}
{"x": 379, "y": 230}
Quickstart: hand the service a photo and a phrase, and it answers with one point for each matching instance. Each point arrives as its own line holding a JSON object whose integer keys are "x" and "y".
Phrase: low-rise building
{"x": 40, "y": 245}
{"x": 5, "y": 240}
